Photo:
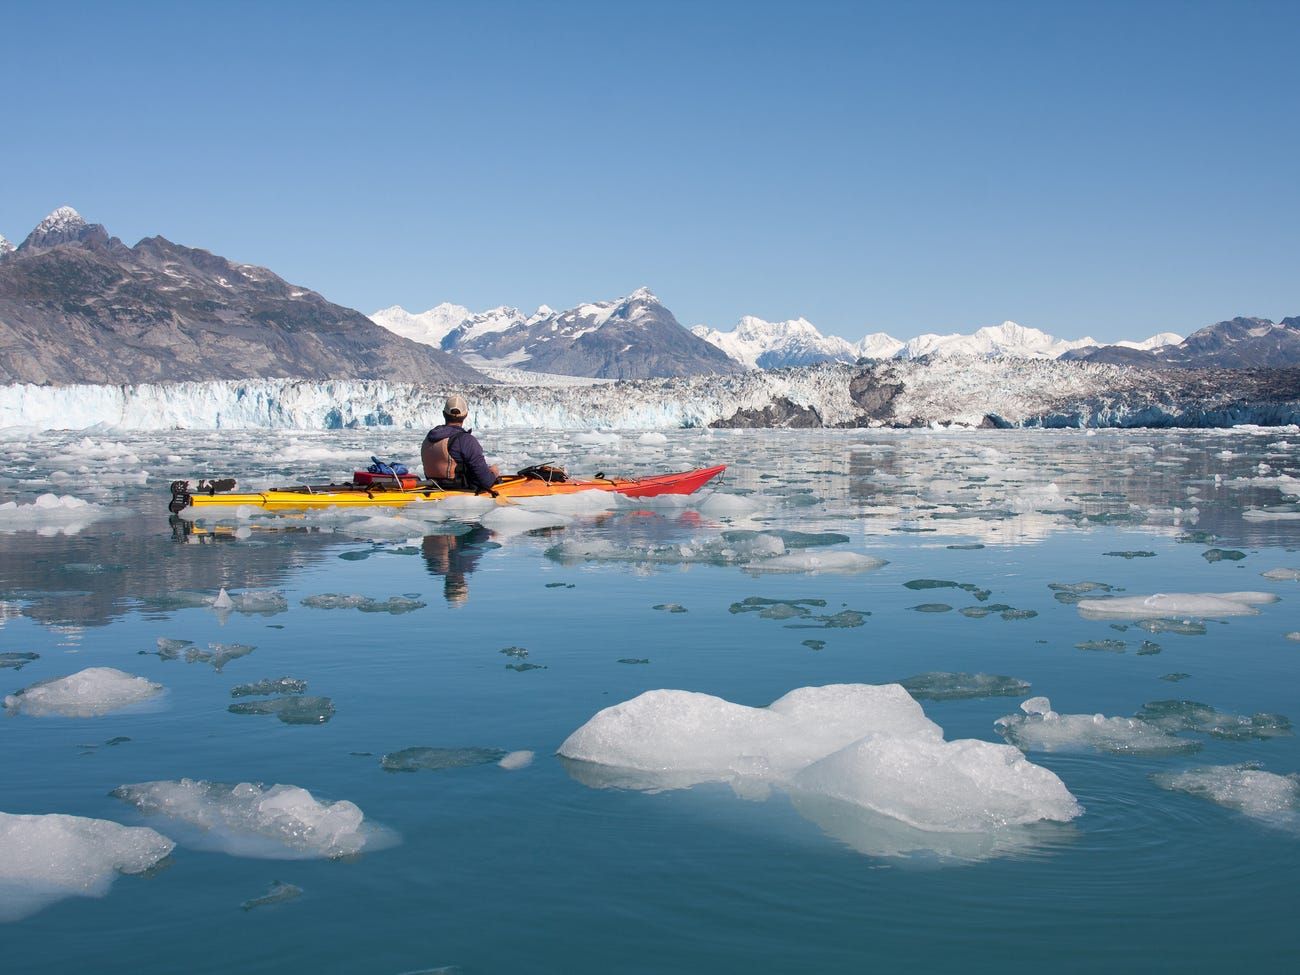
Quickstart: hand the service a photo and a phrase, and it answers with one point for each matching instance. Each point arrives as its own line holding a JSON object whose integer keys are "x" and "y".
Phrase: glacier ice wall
{"x": 941, "y": 392}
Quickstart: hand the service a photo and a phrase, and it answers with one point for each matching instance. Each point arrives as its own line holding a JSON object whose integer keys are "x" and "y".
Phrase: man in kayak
{"x": 452, "y": 456}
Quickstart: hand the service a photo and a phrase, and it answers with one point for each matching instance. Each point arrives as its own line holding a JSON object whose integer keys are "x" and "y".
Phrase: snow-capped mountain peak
{"x": 62, "y": 218}
{"x": 65, "y": 225}
{"x": 1010, "y": 339}
{"x": 5, "y": 246}
{"x": 760, "y": 344}
{"x": 428, "y": 327}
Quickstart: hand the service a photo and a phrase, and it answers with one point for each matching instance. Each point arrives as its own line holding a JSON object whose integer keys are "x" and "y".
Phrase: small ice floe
{"x": 1282, "y": 575}
{"x": 419, "y": 758}
{"x": 513, "y": 761}
{"x": 294, "y": 709}
{"x": 1039, "y": 728}
{"x": 51, "y": 514}
{"x": 575, "y": 504}
{"x": 816, "y": 563}
{"x": 278, "y": 893}
{"x": 943, "y": 686}
{"x": 728, "y": 506}
{"x": 777, "y": 609}
{"x": 1293, "y": 635}
{"x": 970, "y": 587}
{"x": 1264, "y": 514}
{"x": 218, "y": 654}
{"x": 1071, "y": 593}
{"x": 514, "y": 520}
{"x": 1132, "y": 554}
{"x": 1223, "y": 555}
{"x": 670, "y": 607}
{"x": 17, "y": 659}
{"x": 652, "y": 438}
{"x": 277, "y": 685}
{"x": 394, "y": 605}
{"x": 1211, "y": 605}
{"x": 1205, "y": 719}
{"x": 88, "y": 693}
{"x": 280, "y": 822}
{"x": 1247, "y": 788}
{"x": 868, "y": 750}
{"x": 46, "y": 858}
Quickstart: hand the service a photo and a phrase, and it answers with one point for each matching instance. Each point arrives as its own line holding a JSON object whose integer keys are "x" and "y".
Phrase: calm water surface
{"x": 542, "y": 868}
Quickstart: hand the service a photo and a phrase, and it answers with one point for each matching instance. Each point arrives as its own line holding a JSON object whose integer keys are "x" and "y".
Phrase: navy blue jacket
{"x": 467, "y": 452}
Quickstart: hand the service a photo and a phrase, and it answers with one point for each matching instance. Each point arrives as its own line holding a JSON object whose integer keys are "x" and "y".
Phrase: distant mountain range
{"x": 77, "y": 305}
{"x": 544, "y": 342}
{"x": 634, "y": 337}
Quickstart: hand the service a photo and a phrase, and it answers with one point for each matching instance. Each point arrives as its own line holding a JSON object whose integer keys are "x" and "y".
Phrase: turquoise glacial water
{"x": 547, "y": 868}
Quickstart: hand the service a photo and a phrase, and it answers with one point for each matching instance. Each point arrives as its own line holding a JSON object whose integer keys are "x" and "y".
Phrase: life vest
{"x": 436, "y": 457}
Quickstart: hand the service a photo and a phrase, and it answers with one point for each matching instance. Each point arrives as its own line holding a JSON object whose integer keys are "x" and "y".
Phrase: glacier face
{"x": 902, "y": 393}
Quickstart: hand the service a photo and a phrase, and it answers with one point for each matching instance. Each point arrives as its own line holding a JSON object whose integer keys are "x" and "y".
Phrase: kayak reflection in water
{"x": 454, "y": 557}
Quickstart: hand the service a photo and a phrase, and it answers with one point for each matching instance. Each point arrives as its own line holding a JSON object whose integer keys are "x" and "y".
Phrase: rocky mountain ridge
{"x": 77, "y": 305}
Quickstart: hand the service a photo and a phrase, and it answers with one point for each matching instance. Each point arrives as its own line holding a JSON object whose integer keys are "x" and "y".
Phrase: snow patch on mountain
{"x": 1157, "y": 341}
{"x": 429, "y": 327}
{"x": 1008, "y": 340}
{"x": 5, "y": 246}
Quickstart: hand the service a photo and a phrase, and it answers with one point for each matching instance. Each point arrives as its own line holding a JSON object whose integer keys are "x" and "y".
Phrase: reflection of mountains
{"x": 100, "y": 574}
{"x": 984, "y": 486}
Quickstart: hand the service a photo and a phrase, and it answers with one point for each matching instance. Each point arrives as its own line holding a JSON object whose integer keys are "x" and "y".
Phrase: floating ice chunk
{"x": 278, "y": 894}
{"x": 1260, "y": 514}
{"x": 1282, "y": 575}
{"x": 283, "y": 822}
{"x": 279, "y": 685}
{"x": 218, "y": 654}
{"x": 88, "y": 693}
{"x": 942, "y": 786}
{"x": 1040, "y": 728}
{"x": 1293, "y": 635}
{"x": 291, "y": 710}
{"x": 394, "y": 604}
{"x": 719, "y": 505}
{"x": 513, "y": 520}
{"x": 44, "y": 859}
{"x": 1194, "y": 716}
{"x": 516, "y": 760}
{"x": 652, "y": 438}
{"x": 51, "y": 514}
{"x": 1046, "y": 497}
{"x": 435, "y": 759}
{"x": 1246, "y": 788}
{"x": 818, "y": 562}
{"x": 17, "y": 659}
{"x": 259, "y": 602}
{"x": 683, "y": 737}
{"x": 575, "y": 503}
{"x": 941, "y": 686}
{"x": 1175, "y": 604}
{"x": 223, "y": 601}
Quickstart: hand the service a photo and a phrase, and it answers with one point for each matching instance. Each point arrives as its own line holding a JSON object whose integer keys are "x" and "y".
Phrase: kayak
{"x": 217, "y": 494}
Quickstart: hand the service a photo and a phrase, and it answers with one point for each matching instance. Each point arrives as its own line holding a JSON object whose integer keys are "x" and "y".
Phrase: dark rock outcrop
{"x": 780, "y": 413}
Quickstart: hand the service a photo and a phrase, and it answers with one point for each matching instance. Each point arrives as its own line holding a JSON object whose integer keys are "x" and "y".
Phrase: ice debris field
{"x": 1034, "y": 653}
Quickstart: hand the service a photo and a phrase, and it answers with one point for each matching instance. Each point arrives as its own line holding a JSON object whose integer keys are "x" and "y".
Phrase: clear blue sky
{"x": 1106, "y": 168}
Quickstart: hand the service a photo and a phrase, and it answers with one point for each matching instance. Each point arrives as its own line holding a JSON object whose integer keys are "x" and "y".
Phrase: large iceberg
{"x": 860, "y": 746}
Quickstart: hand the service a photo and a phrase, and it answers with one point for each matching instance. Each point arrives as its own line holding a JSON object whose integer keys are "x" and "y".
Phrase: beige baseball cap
{"x": 456, "y": 406}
